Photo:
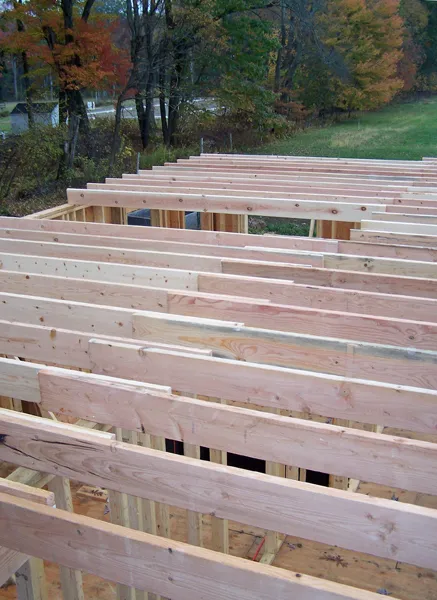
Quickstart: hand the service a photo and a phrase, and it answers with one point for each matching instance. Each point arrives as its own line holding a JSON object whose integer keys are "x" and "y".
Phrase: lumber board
{"x": 427, "y": 217}
{"x": 257, "y": 313}
{"x": 401, "y": 463}
{"x": 231, "y": 340}
{"x": 341, "y": 247}
{"x": 394, "y": 227}
{"x": 229, "y": 166}
{"x": 325, "y": 196}
{"x": 299, "y": 209}
{"x": 379, "y": 527}
{"x": 58, "y": 346}
{"x": 21, "y": 490}
{"x": 326, "y": 166}
{"x": 339, "y": 357}
{"x": 183, "y": 279}
{"x": 119, "y": 255}
{"x": 286, "y": 292}
{"x": 274, "y": 187}
{"x": 185, "y": 573}
{"x": 264, "y": 385}
{"x": 11, "y": 560}
{"x": 316, "y": 393}
{"x": 100, "y": 271}
{"x": 389, "y": 237}
{"x": 31, "y": 583}
{"x": 410, "y": 180}
{"x": 352, "y": 280}
{"x": 417, "y": 253}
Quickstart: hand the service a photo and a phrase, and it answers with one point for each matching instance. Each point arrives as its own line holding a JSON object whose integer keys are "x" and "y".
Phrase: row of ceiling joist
{"x": 296, "y": 187}
{"x": 297, "y": 327}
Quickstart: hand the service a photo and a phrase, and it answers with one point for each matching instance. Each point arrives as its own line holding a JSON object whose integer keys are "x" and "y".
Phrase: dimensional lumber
{"x": 178, "y": 570}
{"x": 339, "y": 253}
{"x": 261, "y": 314}
{"x": 11, "y": 560}
{"x": 300, "y": 209}
{"x": 405, "y": 407}
{"x": 153, "y": 237}
{"x": 210, "y": 249}
{"x": 252, "y": 290}
{"x": 175, "y": 278}
{"x": 398, "y": 531}
{"x": 191, "y": 342}
{"x": 231, "y": 340}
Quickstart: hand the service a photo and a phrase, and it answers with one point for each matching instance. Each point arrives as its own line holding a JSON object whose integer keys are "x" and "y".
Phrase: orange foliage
{"x": 369, "y": 34}
{"x": 82, "y": 57}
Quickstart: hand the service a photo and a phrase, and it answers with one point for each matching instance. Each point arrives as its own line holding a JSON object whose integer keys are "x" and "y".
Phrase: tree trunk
{"x": 149, "y": 113}
{"x": 279, "y": 57}
{"x": 164, "y": 124}
{"x": 174, "y": 100}
{"x": 116, "y": 135}
{"x": 139, "y": 104}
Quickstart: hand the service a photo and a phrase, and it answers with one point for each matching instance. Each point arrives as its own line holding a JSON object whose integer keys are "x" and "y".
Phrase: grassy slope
{"x": 404, "y": 131}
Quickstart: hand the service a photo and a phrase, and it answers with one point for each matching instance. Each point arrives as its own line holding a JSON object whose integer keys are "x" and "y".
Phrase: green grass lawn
{"x": 403, "y": 131}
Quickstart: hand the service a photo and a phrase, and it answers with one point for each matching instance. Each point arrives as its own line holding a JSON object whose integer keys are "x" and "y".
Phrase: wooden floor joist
{"x": 176, "y": 352}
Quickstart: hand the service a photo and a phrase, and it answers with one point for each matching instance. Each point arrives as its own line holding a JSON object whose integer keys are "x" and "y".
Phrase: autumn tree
{"x": 77, "y": 48}
{"x": 368, "y": 35}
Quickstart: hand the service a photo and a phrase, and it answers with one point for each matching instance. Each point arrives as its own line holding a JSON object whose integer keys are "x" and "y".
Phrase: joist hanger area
{"x": 217, "y": 386}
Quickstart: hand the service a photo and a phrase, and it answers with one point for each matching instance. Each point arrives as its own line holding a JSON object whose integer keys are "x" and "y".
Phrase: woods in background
{"x": 189, "y": 66}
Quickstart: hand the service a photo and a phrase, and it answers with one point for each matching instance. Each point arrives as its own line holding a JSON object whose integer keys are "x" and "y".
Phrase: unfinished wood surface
{"x": 11, "y": 560}
{"x": 410, "y": 286}
{"x": 31, "y": 584}
{"x": 228, "y": 190}
{"x": 195, "y": 422}
{"x": 185, "y": 573}
{"x": 387, "y": 237}
{"x": 336, "y": 356}
{"x": 398, "y": 531}
{"x": 85, "y": 316}
{"x": 316, "y": 393}
{"x": 279, "y": 292}
{"x": 287, "y": 292}
{"x": 48, "y": 230}
{"x": 299, "y": 209}
{"x": 233, "y": 340}
{"x": 71, "y": 579}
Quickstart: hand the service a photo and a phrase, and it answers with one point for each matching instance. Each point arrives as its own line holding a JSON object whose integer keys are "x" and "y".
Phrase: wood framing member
{"x": 173, "y": 569}
{"x": 405, "y": 407}
{"x": 130, "y": 185}
{"x": 11, "y": 560}
{"x": 230, "y": 340}
{"x": 251, "y": 289}
{"x": 139, "y": 407}
{"x": 379, "y": 251}
{"x": 299, "y": 209}
{"x": 153, "y": 238}
{"x": 379, "y": 527}
{"x": 387, "y": 237}
{"x": 262, "y": 314}
{"x": 184, "y": 279}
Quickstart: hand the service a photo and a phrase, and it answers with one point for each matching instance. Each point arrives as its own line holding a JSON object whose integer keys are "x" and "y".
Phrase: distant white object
{"x": 44, "y": 113}
{"x": 90, "y": 104}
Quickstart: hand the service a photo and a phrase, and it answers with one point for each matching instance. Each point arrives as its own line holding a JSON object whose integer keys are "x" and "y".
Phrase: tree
{"x": 65, "y": 40}
{"x": 368, "y": 35}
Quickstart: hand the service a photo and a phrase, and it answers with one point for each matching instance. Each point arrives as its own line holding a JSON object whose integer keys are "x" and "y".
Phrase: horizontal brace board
{"x": 376, "y": 526}
{"x": 299, "y": 209}
{"x": 173, "y": 569}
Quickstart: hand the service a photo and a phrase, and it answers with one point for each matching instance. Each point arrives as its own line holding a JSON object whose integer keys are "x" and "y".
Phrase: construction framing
{"x": 135, "y": 361}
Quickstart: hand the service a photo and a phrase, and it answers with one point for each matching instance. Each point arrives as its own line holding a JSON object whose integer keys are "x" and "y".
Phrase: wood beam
{"x": 227, "y": 492}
